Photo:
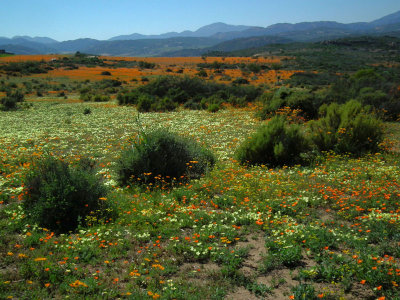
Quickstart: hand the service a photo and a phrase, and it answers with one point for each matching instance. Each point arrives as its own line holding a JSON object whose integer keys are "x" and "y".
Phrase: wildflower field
{"x": 328, "y": 230}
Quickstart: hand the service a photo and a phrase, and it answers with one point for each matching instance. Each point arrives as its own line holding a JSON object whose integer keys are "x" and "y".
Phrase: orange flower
{"x": 40, "y": 258}
{"x": 363, "y": 281}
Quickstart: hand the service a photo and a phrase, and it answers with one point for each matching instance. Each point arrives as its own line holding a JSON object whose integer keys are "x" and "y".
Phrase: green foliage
{"x": 304, "y": 292}
{"x": 202, "y": 73}
{"x": 10, "y": 102}
{"x": 145, "y": 103}
{"x": 94, "y": 97}
{"x": 87, "y": 111}
{"x": 240, "y": 80}
{"x": 164, "y": 157}
{"x": 26, "y": 68}
{"x": 59, "y": 196}
{"x": 274, "y": 144}
{"x": 347, "y": 128}
{"x": 300, "y": 99}
{"x": 214, "y": 107}
{"x": 167, "y": 92}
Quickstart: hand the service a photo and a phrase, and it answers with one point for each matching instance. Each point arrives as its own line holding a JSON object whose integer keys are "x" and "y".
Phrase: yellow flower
{"x": 40, "y": 258}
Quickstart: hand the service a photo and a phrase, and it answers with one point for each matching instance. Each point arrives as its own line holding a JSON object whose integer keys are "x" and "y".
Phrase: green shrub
{"x": 101, "y": 98}
{"x": 213, "y": 107}
{"x": 304, "y": 292}
{"x": 347, "y": 128}
{"x": 187, "y": 91}
{"x": 164, "y": 157}
{"x": 274, "y": 144}
{"x": 301, "y": 99}
{"x": 202, "y": 73}
{"x": 59, "y": 196}
{"x": 10, "y": 102}
{"x": 87, "y": 111}
{"x": 145, "y": 103}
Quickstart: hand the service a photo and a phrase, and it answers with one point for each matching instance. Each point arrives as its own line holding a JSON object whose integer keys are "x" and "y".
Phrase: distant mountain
{"x": 232, "y": 45}
{"x": 213, "y": 37}
{"x": 149, "y": 47}
{"x": 75, "y": 45}
{"x": 36, "y": 39}
{"x": 18, "y": 49}
{"x": 387, "y": 20}
{"x": 205, "y": 31}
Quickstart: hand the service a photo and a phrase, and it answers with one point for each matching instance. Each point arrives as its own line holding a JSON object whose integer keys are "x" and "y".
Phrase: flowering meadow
{"x": 329, "y": 230}
{"x": 332, "y": 227}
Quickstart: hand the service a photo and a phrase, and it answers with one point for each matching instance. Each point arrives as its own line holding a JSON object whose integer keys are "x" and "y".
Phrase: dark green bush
{"x": 213, "y": 107}
{"x": 10, "y": 102}
{"x": 300, "y": 99}
{"x": 163, "y": 157}
{"x": 101, "y": 98}
{"x": 60, "y": 196}
{"x": 347, "y": 128}
{"x": 145, "y": 103}
{"x": 274, "y": 144}
{"x": 189, "y": 92}
{"x": 202, "y": 73}
{"x": 87, "y": 111}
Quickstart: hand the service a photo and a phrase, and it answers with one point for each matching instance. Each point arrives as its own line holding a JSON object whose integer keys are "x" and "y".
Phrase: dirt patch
{"x": 281, "y": 280}
{"x": 256, "y": 243}
{"x": 196, "y": 273}
{"x": 240, "y": 294}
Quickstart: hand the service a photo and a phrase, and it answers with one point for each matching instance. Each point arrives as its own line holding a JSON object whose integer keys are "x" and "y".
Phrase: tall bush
{"x": 274, "y": 144}
{"x": 60, "y": 196}
{"x": 347, "y": 128}
{"x": 163, "y": 157}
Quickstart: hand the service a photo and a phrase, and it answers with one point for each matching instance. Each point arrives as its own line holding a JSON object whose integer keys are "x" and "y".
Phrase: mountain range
{"x": 213, "y": 37}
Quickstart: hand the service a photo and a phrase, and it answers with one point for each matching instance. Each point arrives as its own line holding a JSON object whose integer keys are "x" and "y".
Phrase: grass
{"x": 342, "y": 214}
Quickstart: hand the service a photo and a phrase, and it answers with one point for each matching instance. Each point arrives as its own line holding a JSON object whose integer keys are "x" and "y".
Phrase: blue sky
{"x": 103, "y": 19}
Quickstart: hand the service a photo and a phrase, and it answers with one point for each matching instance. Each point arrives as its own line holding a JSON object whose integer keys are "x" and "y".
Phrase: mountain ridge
{"x": 212, "y": 37}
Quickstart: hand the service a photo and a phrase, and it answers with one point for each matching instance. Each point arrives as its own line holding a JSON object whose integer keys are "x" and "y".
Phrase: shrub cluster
{"x": 347, "y": 128}
{"x": 60, "y": 196}
{"x": 167, "y": 92}
{"x": 299, "y": 99}
{"x": 10, "y": 102}
{"x": 274, "y": 144}
{"x": 369, "y": 87}
{"x": 163, "y": 157}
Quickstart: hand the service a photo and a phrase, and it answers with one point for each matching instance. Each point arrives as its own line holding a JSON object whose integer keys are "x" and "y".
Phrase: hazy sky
{"x": 103, "y": 19}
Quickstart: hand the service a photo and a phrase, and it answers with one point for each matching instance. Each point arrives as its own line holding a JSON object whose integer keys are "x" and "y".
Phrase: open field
{"x": 207, "y": 238}
{"x": 328, "y": 230}
{"x": 163, "y": 66}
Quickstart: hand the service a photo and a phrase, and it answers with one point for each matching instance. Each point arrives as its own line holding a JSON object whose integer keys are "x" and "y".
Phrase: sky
{"x": 102, "y": 19}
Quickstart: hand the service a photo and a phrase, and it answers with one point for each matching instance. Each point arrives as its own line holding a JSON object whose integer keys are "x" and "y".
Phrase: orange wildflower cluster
{"x": 21, "y": 58}
{"x": 164, "y": 66}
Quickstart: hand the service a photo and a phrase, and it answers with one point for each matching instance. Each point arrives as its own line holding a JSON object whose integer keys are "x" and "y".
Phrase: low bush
{"x": 163, "y": 157}
{"x": 274, "y": 144}
{"x": 348, "y": 128}
{"x": 167, "y": 92}
{"x": 298, "y": 99}
{"x": 10, "y": 102}
{"x": 60, "y": 196}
